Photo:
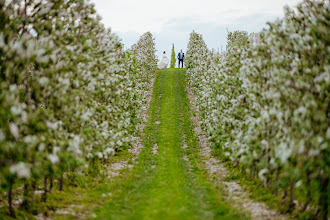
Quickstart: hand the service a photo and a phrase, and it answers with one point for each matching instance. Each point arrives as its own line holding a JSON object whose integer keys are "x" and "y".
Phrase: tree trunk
{"x": 268, "y": 175}
{"x": 237, "y": 164}
{"x": 26, "y": 196}
{"x": 276, "y": 180}
{"x": 253, "y": 171}
{"x": 26, "y": 191}
{"x": 285, "y": 193}
{"x": 34, "y": 184}
{"x": 10, "y": 202}
{"x": 309, "y": 193}
{"x": 291, "y": 202}
{"x": 34, "y": 187}
{"x": 324, "y": 200}
{"x": 44, "y": 196}
{"x": 316, "y": 214}
{"x": 61, "y": 183}
{"x": 50, "y": 184}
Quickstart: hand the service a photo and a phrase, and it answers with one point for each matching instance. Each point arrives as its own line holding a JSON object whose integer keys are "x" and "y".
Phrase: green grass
{"x": 170, "y": 190}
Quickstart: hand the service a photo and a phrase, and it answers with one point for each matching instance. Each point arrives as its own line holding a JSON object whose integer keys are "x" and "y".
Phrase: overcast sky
{"x": 171, "y": 21}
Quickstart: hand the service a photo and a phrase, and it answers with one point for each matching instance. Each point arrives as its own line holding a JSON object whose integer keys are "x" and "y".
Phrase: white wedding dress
{"x": 164, "y": 62}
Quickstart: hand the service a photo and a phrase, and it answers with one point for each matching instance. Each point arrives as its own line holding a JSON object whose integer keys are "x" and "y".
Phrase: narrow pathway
{"x": 166, "y": 181}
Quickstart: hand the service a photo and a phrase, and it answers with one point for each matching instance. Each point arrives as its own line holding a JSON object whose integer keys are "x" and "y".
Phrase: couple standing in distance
{"x": 164, "y": 62}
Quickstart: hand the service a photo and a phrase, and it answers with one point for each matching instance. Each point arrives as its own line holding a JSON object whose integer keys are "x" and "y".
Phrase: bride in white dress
{"x": 164, "y": 62}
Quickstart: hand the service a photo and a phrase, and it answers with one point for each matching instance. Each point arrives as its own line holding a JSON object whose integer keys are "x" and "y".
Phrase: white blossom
{"x": 56, "y": 149}
{"x": 86, "y": 116}
{"x": 262, "y": 173}
{"x": 16, "y": 110}
{"x": 119, "y": 143}
{"x": 100, "y": 155}
{"x": 41, "y": 147}
{"x": 21, "y": 169}
{"x": 109, "y": 150}
{"x": 51, "y": 125}
{"x": 53, "y": 158}
{"x": 43, "y": 81}
{"x": 74, "y": 145}
{"x": 2, "y": 135}
{"x": 14, "y": 130}
{"x": 298, "y": 183}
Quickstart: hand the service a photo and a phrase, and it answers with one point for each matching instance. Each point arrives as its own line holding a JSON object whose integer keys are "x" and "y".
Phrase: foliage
{"x": 69, "y": 94}
{"x": 237, "y": 38}
{"x": 265, "y": 103}
{"x": 173, "y": 57}
{"x": 145, "y": 53}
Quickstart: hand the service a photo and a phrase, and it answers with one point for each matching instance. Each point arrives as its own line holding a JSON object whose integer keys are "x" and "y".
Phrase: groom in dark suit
{"x": 180, "y": 58}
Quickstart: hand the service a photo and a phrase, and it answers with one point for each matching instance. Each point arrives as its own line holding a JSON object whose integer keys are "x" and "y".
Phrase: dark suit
{"x": 180, "y": 58}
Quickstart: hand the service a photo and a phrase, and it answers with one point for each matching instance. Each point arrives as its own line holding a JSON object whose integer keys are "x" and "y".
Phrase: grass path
{"x": 166, "y": 181}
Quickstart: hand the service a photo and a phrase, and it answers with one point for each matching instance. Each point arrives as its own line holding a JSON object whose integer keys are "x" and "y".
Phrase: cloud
{"x": 215, "y": 35}
{"x": 173, "y": 21}
{"x": 177, "y": 31}
{"x": 151, "y": 15}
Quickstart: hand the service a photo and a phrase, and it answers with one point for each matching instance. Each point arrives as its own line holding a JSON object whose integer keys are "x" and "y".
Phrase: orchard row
{"x": 69, "y": 95}
{"x": 265, "y": 103}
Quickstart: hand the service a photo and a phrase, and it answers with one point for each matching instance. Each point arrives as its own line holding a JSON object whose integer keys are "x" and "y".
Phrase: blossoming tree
{"x": 265, "y": 103}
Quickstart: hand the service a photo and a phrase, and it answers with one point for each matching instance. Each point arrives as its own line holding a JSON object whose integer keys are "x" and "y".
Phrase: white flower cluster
{"x": 69, "y": 93}
{"x": 265, "y": 101}
{"x": 145, "y": 62}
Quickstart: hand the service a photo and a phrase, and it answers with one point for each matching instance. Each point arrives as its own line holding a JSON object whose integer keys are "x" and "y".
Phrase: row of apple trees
{"x": 265, "y": 103}
{"x": 69, "y": 95}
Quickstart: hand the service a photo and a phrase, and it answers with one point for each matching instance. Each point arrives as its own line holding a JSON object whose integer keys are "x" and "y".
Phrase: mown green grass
{"x": 170, "y": 190}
